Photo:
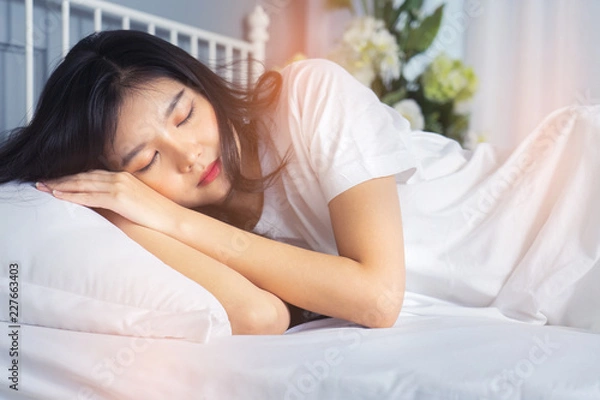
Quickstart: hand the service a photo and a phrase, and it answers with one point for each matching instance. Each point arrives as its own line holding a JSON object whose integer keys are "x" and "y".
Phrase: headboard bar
{"x": 258, "y": 36}
{"x": 66, "y": 16}
{"x": 97, "y": 20}
{"x": 212, "y": 55}
{"x": 173, "y": 38}
{"x": 29, "y": 58}
{"x": 160, "y": 22}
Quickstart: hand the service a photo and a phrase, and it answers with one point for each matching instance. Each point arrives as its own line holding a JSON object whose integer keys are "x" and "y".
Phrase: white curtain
{"x": 531, "y": 57}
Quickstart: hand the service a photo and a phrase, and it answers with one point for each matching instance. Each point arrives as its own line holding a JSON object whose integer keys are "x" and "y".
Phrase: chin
{"x": 217, "y": 197}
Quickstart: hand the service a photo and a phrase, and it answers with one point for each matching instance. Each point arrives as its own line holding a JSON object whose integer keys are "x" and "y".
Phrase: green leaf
{"x": 391, "y": 16}
{"x": 379, "y": 7}
{"x": 402, "y": 36}
{"x": 410, "y": 5}
{"x": 378, "y": 87}
{"x": 432, "y": 123}
{"x": 420, "y": 38}
{"x": 459, "y": 124}
{"x": 388, "y": 13}
{"x": 393, "y": 97}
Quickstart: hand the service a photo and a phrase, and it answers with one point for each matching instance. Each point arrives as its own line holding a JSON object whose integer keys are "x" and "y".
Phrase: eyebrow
{"x": 129, "y": 156}
{"x": 173, "y": 104}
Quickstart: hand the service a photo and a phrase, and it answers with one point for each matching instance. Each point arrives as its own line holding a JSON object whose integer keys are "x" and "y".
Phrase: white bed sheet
{"x": 436, "y": 351}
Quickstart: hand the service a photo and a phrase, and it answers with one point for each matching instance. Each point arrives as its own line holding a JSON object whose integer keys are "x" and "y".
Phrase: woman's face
{"x": 168, "y": 137}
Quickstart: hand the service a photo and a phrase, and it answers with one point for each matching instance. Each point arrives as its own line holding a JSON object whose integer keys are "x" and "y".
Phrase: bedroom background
{"x": 530, "y": 56}
{"x": 76, "y": 344}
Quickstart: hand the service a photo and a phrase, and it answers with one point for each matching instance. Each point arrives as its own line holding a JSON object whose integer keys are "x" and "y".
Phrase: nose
{"x": 188, "y": 157}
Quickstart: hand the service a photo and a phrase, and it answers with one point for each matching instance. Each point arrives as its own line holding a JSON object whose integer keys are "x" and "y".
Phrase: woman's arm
{"x": 340, "y": 124}
{"x": 364, "y": 284}
{"x": 250, "y": 310}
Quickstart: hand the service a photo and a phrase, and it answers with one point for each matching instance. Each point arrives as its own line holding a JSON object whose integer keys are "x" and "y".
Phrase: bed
{"x": 70, "y": 330}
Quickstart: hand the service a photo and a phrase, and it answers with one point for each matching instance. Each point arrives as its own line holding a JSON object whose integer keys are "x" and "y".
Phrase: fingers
{"x": 95, "y": 188}
{"x": 41, "y": 186}
{"x": 91, "y": 181}
{"x": 79, "y": 186}
{"x": 116, "y": 191}
{"x": 84, "y": 199}
{"x": 98, "y": 174}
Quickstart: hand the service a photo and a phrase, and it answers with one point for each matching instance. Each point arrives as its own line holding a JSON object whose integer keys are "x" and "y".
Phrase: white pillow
{"x": 77, "y": 271}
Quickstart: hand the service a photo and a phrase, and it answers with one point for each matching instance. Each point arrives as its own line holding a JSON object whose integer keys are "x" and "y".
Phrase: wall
{"x": 288, "y": 29}
{"x": 532, "y": 57}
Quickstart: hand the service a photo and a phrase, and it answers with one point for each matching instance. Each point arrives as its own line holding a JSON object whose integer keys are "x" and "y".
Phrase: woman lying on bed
{"x": 290, "y": 193}
{"x": 186, "y": 165}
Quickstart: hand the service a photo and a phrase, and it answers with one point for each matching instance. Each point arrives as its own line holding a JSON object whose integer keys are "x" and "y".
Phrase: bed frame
{"x": 233, "y": 49}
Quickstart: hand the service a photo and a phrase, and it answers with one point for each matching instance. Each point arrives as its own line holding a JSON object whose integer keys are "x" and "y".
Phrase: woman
{"x": 290, "y": 193}
{"x": 146, "y": 135}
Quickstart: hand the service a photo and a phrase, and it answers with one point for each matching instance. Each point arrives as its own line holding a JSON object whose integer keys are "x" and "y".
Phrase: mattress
{"x": 436, "y": 350}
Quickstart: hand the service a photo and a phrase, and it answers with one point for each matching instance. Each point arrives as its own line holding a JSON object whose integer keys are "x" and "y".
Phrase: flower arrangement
{"x": 378, "y": 44}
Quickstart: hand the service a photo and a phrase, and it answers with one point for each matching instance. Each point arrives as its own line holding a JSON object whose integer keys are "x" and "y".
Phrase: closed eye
{"x": 189, "y": 116}
{"x": 147, "y": 167}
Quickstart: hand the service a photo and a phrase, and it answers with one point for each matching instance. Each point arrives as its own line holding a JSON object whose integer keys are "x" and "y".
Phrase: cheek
{"x": 161, "y": 184}
{"x": 212, "y": 131}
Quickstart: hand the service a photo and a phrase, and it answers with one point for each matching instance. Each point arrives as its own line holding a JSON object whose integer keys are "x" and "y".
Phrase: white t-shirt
{"x": 338, "y": 135}
{"x": 482, "y": 227}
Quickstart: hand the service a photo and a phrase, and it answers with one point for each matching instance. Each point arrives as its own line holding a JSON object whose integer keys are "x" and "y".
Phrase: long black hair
{"x": 76, "y": 115}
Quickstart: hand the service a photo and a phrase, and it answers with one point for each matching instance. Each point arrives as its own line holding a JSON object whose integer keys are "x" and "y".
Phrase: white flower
{"x": 364, "y": 74}
{"x": 363, "y": 71}
{"x": 389, "y": 69}
{"x": 368, "y": 50}
{"x": 410, "y": 110}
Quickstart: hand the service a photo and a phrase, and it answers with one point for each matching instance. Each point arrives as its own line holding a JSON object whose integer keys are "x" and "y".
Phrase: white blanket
{"x": 516, "y": 234}
{"x": 435, "y": 351}
{"x": 517, "y": 230}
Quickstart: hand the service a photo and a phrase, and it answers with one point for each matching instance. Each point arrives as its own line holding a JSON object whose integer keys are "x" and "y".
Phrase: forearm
{"x": 327, "y": 284}
{"x": 250, "y": 309}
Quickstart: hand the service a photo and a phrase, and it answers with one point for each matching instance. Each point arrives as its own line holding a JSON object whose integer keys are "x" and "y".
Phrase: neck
{"x": 244, "y": 209}
{"x": 241, "y": 209}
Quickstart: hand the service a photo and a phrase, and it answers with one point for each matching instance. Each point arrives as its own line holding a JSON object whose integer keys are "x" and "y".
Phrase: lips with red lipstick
{"x": 210, "y": 173}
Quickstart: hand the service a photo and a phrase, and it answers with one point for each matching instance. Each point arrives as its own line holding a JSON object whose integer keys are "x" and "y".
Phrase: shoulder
{"x": 315, "y": 68}
{"x": 320, "y": 81}
{"x": 318, "y": 73}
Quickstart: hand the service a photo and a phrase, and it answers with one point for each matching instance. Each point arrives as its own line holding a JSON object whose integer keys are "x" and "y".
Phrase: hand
{"x": 119, "y": 192}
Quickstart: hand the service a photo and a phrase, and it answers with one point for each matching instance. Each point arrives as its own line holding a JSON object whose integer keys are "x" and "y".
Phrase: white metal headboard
{"x": 258, "y": 36}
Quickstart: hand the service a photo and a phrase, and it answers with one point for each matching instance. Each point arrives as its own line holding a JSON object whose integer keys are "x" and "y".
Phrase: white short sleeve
{"x": 348, "y": 135}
